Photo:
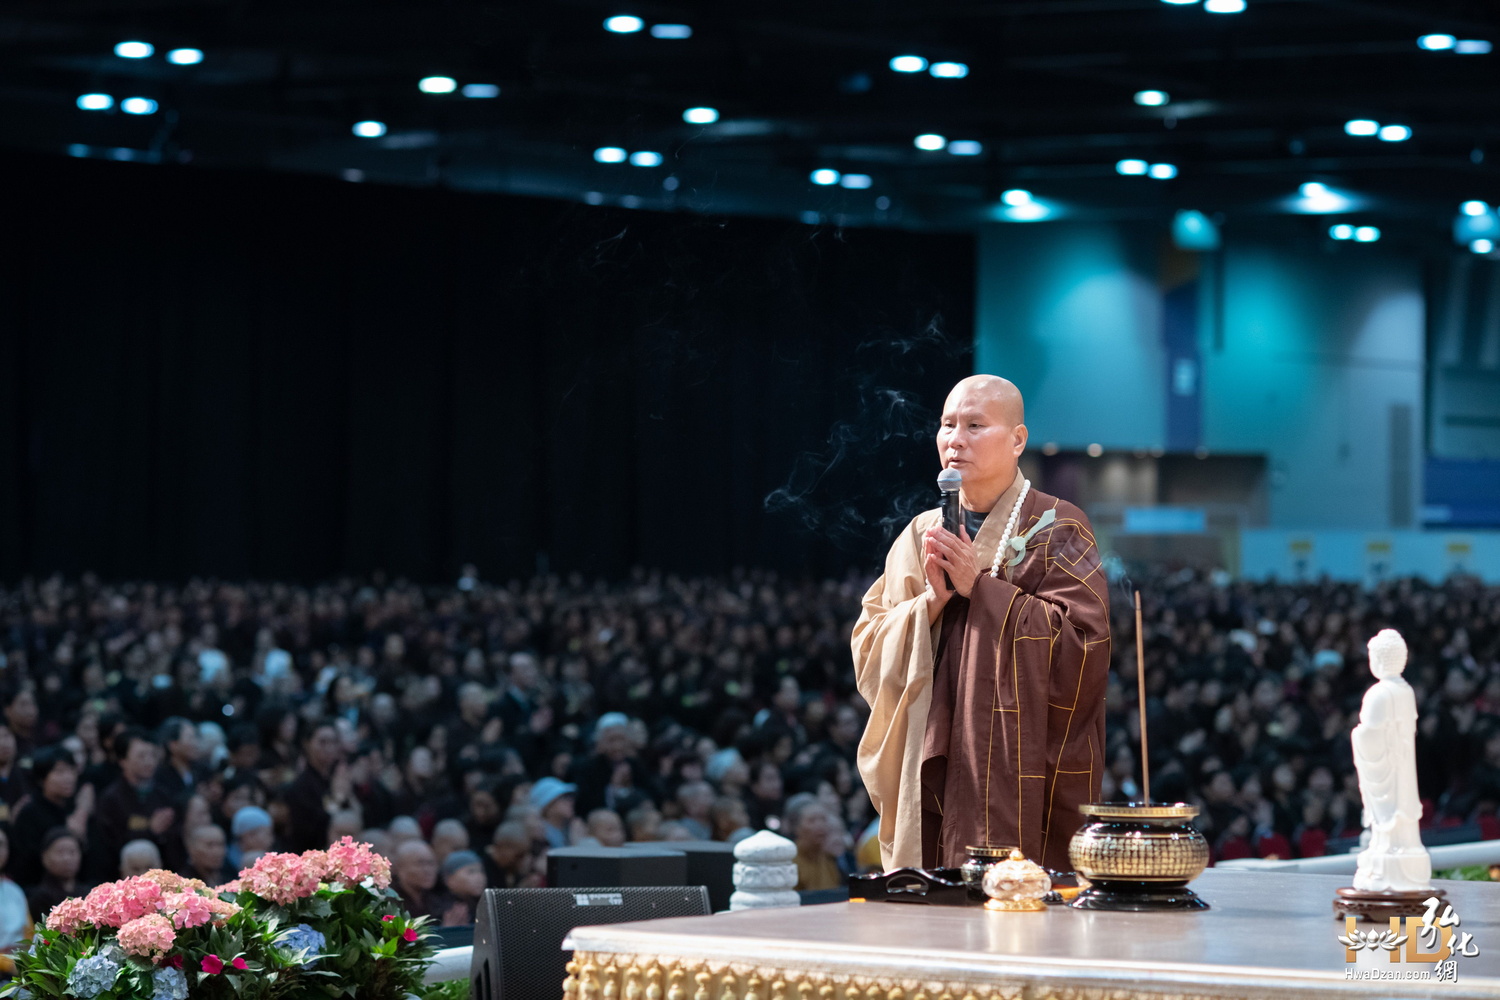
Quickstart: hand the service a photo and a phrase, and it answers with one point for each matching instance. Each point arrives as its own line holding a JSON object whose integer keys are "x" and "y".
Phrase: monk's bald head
{"x": 982, "y": 435}
{"x": 994, "y": 395}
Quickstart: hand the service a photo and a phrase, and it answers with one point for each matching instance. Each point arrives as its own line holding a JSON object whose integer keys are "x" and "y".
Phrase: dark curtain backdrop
{"x": 270, "y": 376}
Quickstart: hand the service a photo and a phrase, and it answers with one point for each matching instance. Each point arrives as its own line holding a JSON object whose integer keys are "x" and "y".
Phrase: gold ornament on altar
{"x": 1016, "y": 885}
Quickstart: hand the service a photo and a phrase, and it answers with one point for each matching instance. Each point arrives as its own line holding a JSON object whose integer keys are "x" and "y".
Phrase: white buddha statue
{"x": 1385, "y": 755}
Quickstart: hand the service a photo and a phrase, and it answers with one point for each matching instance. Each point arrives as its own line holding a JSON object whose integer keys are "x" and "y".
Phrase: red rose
{"x": 410, "y": 935}
{"x": 175, "y": 961}
{"x": 213, "y": 964}
{"x": 388, "y": 918}
{"x": 239, "y": 963}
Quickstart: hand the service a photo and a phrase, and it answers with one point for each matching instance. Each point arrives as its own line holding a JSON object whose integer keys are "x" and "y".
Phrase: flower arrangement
{"x": 315, "y": 926}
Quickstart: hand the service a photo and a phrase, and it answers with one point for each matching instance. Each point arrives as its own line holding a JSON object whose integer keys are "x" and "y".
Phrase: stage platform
{"x": 1269, "y": 936}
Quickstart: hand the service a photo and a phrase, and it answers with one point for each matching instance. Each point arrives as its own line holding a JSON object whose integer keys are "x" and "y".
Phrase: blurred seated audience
{"x": 432, "y": 721}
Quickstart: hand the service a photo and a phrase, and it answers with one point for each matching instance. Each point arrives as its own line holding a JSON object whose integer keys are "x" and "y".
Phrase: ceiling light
{"x": 368, "y": 130}
{"x": 481, "y": 90}
{"x": 700, "y": 116}
{"x": 134, "y": 50}
{"x": 1017, "y": 196}
{"x": 593, "y": 197}
{"x": 1472, "y": 47}
{"x": 645, "y": 158}
{"x": 1162, "y": 171}
{"x": 1151, "y": 98}
{"x": 671, "y": 31}
{"x": 1468, "y": 208}
{"x": 95, "y": 102}
{"x": 624, "y": 24}
{"x": 824, "y": 176}
{"x": 1031, "y": 211}
{"x": 908, "y": 64}
{"x": 930, "y": 142}
{"x": 1316, "y": 198}
{"x": 1395, "y": 133}
{"x": 1361, "y": 126}
{"x": 1224, "y": 6}
{"x": 856, "y": 182}
{"x": 609, "y": 154}
{"x": 1482, "y": 246}
{"x": 949, "y": 70}
{"x": 138, "y": 106}
{"x": 185, "y": 57}
{"x": 965, "y": 147}
{"x": 1366, "y": 234}
{"x": 1131, "y": 168}
{"x": 1343, "y": 231}
{"x": 437, "y": 85}
{"x": 1436, "y": 43}
{"x": 1192, "y": 230}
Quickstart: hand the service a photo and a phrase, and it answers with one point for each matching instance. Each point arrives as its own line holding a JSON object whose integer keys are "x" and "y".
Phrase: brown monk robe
{"x": 987, "y": 700}
{"x": 1014, "y": 740}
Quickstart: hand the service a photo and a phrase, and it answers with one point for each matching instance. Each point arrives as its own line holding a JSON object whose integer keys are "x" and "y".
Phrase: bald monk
{"x": 987, "y": 700}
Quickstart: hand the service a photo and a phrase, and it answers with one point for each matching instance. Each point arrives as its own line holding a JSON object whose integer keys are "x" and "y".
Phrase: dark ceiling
{"x": 1258, "y": 100}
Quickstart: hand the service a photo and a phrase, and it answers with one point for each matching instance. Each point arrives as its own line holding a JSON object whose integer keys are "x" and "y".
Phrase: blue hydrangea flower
{"x": 169, "y": 984}
{"x": 304, "y": 939}
{"x": 92, "y": 976}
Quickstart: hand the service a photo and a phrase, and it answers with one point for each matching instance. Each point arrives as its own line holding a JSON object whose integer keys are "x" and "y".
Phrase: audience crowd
{"x": 467, "y": 730}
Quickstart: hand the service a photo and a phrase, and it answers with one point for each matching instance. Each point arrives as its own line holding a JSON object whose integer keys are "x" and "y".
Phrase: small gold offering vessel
{"x": 1016, "y": 885}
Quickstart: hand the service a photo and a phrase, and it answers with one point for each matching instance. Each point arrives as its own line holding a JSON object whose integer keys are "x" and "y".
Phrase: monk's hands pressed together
{"x": 945, "y": 552}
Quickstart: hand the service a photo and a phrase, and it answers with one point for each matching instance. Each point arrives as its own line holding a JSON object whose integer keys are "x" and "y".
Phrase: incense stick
{"x": 1140, "y": 682}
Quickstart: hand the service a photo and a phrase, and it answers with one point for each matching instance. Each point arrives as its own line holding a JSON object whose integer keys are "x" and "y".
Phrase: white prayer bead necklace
{"x": 1010, "y": 527}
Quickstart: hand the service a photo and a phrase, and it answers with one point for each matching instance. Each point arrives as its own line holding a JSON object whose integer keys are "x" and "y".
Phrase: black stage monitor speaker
{"x": 518, "y": 933}
{"x": 709, "y": 863}
{"x": 570, "y": 866}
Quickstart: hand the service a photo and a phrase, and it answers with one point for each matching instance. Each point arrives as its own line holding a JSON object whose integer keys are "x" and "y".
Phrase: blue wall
{"x": 1304, "y": 356}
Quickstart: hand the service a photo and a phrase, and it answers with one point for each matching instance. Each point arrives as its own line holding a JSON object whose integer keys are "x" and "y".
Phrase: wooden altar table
{"x": 1269, "y": 936}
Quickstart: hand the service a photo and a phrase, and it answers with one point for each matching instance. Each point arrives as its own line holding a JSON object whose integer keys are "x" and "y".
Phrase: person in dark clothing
{"x": 62, "y": 857}
{"x": 132, "y": 808}
{"x": 179, "y": 772}
{"x": 414, "y": 872}
{"x": 613, "y": 772}
{"x": 14, "y": 783}
{"x": 55, "y": 774}
{"x": 206, "y": 849}
{"x": 321, "y": 787}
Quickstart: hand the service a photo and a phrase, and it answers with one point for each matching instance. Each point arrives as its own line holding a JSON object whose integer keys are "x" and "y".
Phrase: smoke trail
{"x": 873, "y": 472}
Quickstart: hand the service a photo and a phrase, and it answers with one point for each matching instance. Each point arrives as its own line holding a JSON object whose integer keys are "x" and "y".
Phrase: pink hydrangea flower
{"x": 188, "y": 909}
{"x": 284, "y": 878}
{"x": 67, "y": 916}
{"x": 222, "y": 910}
{"x": 167, "y": 881}
{"x": 150, "y": 936}
{"x": 115, "y": 904}
{"x": 233, "y": 888}
{"x": 351, "y": 863}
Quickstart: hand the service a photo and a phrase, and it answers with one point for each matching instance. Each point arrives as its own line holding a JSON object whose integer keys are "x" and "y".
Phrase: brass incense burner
{"x": 1138, "y": 856}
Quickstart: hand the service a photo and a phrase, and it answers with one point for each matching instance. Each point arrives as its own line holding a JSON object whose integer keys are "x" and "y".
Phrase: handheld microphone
{"x": 949, "y": 480}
